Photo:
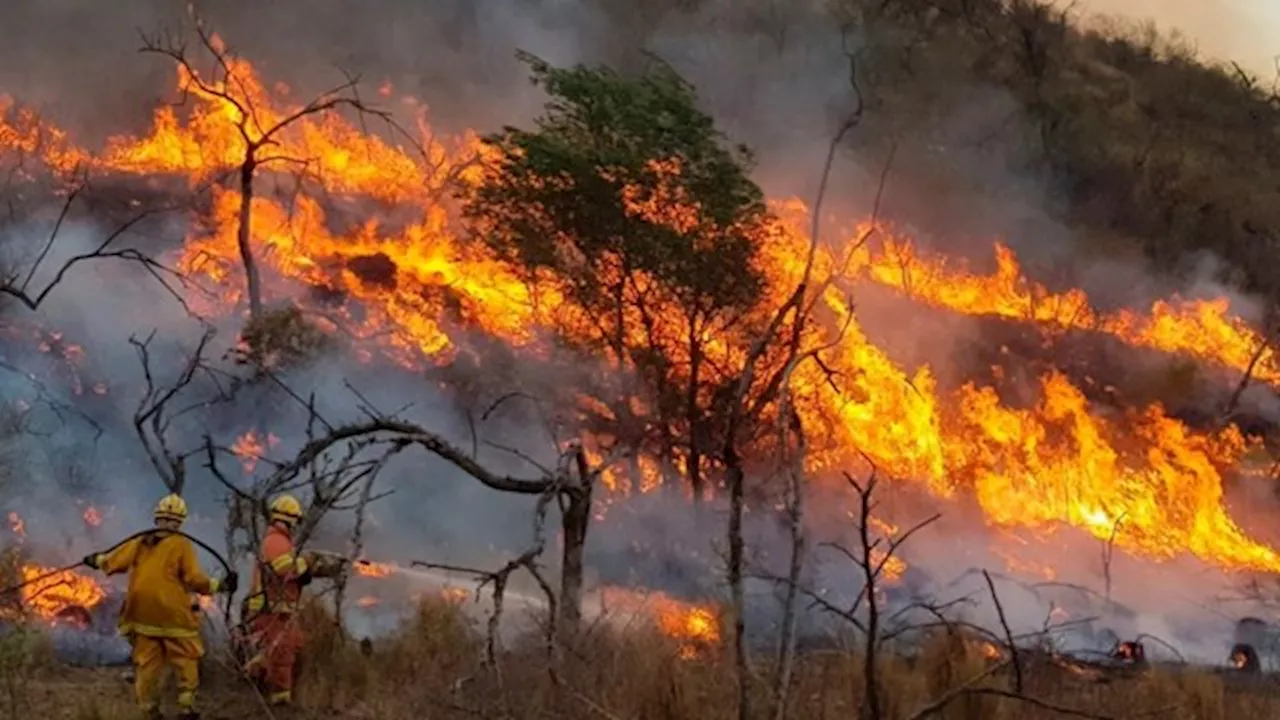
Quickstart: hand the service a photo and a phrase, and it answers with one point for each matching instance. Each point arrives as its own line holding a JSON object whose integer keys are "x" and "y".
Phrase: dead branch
{"x": 154, "y": 417}
{"x": 357, "y": 536}
{"x": 1108, "y": 554}
{"x": 105, "y": 250}
{"x": 1042, "y": 704}
{"x": 1264, "y": 347}
{"x": 1008, "y": 634}
{"x": 253, "y": 132}
{"x": 410, "y": 434}
{"x": 46, "y": 397}
{"x": 955, "y": 693}
{"x": 499, "y": 578}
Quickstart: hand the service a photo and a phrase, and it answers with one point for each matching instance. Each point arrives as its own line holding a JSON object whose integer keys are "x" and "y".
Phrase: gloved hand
{"x": 91, "y": 561}
{"x": 230, "y": 584}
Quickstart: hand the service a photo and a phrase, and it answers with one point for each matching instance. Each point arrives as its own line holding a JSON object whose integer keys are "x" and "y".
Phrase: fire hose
{"x": 142, "y": 533}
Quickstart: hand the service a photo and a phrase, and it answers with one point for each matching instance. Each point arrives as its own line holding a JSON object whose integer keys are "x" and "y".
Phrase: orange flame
{"x": 1201, "y": 329}
{"x": 372, "y": 569}
{"x": 404, "y": 288}
{"x": 695, "y": 627}
{"x": 48, "y": 597}
{"x": 250, "y": 448}
{"x": 92, "y": 517}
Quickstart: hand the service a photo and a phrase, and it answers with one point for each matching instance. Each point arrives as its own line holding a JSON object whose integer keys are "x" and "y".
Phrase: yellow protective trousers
{"x": 152, "y": 656}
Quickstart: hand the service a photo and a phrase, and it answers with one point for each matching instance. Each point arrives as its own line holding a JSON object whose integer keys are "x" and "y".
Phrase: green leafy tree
{"x": 626, "y": 198}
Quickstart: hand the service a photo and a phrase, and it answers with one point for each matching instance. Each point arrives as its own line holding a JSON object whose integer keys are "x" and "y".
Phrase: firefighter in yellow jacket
{"x": 157, "y": 616}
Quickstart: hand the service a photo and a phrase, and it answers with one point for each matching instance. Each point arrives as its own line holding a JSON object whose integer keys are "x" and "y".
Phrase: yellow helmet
{"x": 171, "y": 507}
{"x": 287, "y": 509}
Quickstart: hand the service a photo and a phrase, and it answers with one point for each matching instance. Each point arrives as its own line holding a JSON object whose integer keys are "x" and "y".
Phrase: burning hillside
{"x": 360, "y": 230}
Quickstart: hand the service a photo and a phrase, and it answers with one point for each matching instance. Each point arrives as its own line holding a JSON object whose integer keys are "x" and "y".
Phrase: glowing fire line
{"x": 1051, "y": 464}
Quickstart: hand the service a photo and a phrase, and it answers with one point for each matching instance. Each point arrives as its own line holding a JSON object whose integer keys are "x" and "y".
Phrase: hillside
{"x": 1139, "y": 149}
{"x": 584, "y": 319}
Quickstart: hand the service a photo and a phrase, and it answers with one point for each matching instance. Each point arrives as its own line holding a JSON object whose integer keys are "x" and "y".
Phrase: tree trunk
{"x": 737, "y": 502}
{"x": 694, "y": 417}
{"x": 244, "y": 238}
{"x": 795, "y": 513}
{"x": 575, "y": 522}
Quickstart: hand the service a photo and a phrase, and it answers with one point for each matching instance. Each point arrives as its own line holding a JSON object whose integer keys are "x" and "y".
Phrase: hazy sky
{"x": 1247, "y": 31}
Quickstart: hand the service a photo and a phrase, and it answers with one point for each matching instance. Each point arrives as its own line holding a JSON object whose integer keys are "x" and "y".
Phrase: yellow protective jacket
{"x": 163, "y": 573}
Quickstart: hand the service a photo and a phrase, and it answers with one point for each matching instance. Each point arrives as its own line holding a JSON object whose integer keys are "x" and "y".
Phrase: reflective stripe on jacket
{"x": 280, "y": 590}
{"x": 163, "y": 572}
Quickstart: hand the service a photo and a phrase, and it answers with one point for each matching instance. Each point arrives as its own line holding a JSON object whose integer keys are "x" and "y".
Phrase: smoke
{"x": 777, "y": 79}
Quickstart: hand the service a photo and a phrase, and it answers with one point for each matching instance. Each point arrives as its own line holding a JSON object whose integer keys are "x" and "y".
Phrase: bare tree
{"x": 164, "y": 403}
{"x": 759, "y": 386}
{"x": 792, "y": 461}
{"x": 22, "y": 285}
{"x": 257, "y": 133}
{"x": 337, "y": 461}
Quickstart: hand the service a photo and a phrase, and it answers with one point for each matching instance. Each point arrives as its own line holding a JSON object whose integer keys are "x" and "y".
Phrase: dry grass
{"x": 432, "y": 669}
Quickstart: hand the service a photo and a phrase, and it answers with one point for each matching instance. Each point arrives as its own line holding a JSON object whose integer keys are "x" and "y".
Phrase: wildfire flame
{"x": 250, "y": 448}
{"x": 92, "y": 517}
{"x": 57, "y": 594}
{"x": 372, "y": 569}
{"x": 695, "y": 627}
{"x": 1201, "y": 329}
{"x": 402, "y": 289}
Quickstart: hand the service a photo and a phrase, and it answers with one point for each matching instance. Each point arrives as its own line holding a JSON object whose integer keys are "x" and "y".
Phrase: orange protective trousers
{"x": 277, "y": 639}
{"x": 152, "y": 656}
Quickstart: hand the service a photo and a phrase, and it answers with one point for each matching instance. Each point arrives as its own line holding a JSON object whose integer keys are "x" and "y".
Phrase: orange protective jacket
{"x": 281, "y": 588}
{"x": 163, "y": 573}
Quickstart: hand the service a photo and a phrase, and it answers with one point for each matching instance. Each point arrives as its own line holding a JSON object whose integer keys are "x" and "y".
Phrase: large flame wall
{"x": 406, "y": 286}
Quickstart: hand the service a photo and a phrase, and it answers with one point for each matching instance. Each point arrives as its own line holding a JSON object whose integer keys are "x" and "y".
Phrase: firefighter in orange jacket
{"x": 278, "y": 579}
{"x": 157, "y": 617}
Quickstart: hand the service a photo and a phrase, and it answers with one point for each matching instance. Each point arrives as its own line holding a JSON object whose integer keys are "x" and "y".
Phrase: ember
{"x": 92, "y": 517}
{"x": 1130, "y": 651}
{"x": 1245, "y": 659}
